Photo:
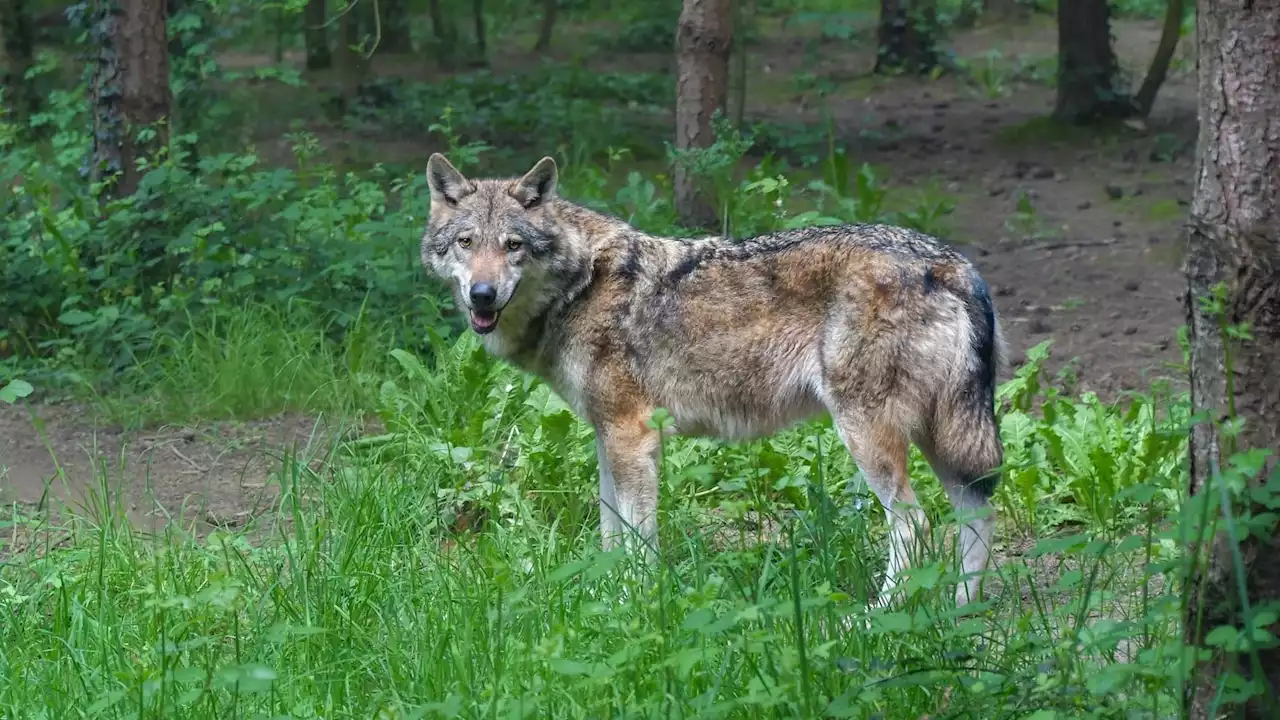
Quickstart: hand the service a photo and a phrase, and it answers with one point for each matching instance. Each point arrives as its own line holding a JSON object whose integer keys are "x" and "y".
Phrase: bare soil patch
{"x": 55, "y": 461}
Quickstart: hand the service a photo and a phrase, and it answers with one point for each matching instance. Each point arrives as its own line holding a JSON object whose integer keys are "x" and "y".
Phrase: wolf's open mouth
{"x": 484, "y": 321}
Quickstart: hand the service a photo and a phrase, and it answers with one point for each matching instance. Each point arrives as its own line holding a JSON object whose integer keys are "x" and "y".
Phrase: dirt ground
{"x": 1095, "y": 267}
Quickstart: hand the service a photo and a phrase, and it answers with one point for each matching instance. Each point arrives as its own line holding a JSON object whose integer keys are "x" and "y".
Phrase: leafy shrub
{"x": 96, "y": 277}
{"x": 551, "y": 106}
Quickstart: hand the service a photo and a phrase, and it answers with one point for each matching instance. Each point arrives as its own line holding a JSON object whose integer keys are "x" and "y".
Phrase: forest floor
{"x": 1089, "y": 259}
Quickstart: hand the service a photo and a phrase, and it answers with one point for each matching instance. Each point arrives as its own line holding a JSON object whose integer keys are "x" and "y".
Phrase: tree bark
{"x": 315, "y": 35}
{"x": 1088, "y": 83}
{"x": 906, "y": 36}
{"x": 1234, "y": 239}
{"x": 130, "y": 88}
{"x": 1146, "y": 97}
{"x": 395, "y": 26}
{"x": 703, "y": 41}
{"x": 548, "y": 26}
{"x": 18, "y": 33}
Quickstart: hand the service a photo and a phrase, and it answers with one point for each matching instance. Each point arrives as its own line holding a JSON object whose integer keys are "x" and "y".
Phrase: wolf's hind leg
{"x": 629, "y": 455}
{"x": 880, "y": 450}
{"x": 965, "y": 452}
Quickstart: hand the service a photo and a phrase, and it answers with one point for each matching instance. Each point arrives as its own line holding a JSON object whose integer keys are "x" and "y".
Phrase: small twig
{"x": 1072, "y": 243}
{"x": 190, "y": 462}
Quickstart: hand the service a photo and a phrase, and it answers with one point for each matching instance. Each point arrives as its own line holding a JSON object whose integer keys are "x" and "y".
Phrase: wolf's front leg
{"x": 628, "y": 454}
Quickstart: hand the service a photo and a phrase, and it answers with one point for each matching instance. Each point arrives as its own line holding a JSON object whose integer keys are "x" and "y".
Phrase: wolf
{"x": 887, "y": 330}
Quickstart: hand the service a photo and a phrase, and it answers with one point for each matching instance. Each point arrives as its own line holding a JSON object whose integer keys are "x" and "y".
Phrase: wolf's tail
{"x": 966, "y": 433}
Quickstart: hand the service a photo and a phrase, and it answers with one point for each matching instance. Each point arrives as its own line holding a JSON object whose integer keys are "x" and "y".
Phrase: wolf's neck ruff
{"x": 890, "y": 332}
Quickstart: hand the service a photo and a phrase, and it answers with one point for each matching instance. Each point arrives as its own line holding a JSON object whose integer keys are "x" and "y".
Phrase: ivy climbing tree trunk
{"x": 315, "y": 35}
{"x": 1234, "y": 240}
{"x": 131, "y": 99}
{"x": 906, "y": 36}
{"x": 18, "y": 33}
{"x": 703, "y": 40}
{"x": 1088, "y": 83}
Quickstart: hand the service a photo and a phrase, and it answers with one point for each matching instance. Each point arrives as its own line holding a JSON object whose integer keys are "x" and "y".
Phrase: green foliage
{"x": 14, "y": 390}
{"x": 92, "y": 280}
{"x": 1075, "y": 463}
{"x": 448, "y": 566}
{"x": 553, "y": 105}
{"x": 456, "y": 555}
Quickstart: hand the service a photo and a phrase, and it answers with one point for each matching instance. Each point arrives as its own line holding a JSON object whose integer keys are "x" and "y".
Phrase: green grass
{"x": 359, "y": 595}
{"x": 248, "y": 362}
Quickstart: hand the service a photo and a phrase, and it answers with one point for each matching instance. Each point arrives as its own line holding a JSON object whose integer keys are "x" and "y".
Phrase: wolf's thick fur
{"x": 890, "y": 332}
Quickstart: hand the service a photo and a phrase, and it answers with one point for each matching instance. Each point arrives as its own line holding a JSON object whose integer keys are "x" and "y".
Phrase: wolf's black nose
{"x": 483, "y": 296}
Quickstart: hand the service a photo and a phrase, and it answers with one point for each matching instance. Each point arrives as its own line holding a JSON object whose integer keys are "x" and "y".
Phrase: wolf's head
{"x": 491, "y": 238}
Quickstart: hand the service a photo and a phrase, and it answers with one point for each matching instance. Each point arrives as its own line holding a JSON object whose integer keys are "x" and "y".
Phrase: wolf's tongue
{"x": 483, "y": 319}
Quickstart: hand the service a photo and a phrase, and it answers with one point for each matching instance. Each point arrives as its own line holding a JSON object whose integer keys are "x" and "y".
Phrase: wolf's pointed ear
{"x": 446, "y": 183}
{"x": 537, "y": 186}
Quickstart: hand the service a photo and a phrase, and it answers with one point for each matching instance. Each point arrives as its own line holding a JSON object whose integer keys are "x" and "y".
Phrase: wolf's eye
{"x": 514, "y": 244}
{"x": 464, "y": 241}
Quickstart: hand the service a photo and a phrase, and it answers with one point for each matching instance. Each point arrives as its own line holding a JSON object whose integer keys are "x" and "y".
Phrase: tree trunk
{"x": 1234, "y": 239}
{"x": 351, "y": 62}
{"x": 19, "y": 44}
{"x": 477, "y": 14}
{"x": 130, "y": 88}
{"x": 316, "y": 35}
{"x": 1088, "y": 86}
{"x": 445, "y": 34}
{"x": 703, "y": 40}
{"x": 1159, "y": 69}
{"x": 395, "y": 26}
{"x": 906, "y": 36}
{"x": 1004, "y": 9}
{"x": 738, "y": 51}
{"x": 548, "y": 26}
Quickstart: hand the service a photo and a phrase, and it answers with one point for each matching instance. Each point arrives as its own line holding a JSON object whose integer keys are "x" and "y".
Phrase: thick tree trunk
{"x": 548, "y": 26}
{"x": 1088, "y": 83}
{"x": 703, "y": 41}
{"x": 1234, "y": 239}
{"x": 315, "y": 35}
{"x": 395, "y": 26}
{"x": 18, "y": 33}
{"x": 130, "y": 88}
{"x": 906, "y": 36}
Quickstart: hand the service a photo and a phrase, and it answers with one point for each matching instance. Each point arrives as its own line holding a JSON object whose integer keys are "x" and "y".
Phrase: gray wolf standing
{"x": 889, "y": 331}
